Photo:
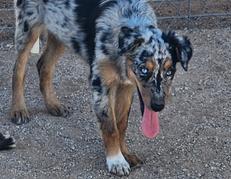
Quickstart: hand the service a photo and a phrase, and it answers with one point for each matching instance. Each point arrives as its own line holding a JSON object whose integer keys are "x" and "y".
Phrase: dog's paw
{"x": 118, "y": 165}
{"x": 20, "y": 117}
{"x": 133, "y": 160}
{"x": 59, "y": 110}
{"x": 6, "y": 142}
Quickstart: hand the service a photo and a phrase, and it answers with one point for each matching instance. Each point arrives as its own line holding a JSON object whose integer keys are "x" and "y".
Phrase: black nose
{"x": 157, "y": 107}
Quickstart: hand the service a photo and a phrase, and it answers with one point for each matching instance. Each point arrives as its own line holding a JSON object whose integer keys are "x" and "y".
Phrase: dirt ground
{"x": 195, "y": 138}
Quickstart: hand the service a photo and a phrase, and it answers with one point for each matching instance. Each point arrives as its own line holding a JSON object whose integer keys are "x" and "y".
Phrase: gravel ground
{"x": 195, "y": 138}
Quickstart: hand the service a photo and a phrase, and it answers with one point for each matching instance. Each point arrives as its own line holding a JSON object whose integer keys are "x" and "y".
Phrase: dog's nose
{"x": 157, "y": 107}
{"x": 157, "y": 103}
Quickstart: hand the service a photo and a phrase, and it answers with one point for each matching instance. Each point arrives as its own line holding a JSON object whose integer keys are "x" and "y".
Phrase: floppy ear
{"x": 129, "y": 40}
{"x": 180, "y": 48}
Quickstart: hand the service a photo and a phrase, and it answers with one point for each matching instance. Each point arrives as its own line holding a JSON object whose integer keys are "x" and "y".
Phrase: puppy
{"x": 125, "y": 50}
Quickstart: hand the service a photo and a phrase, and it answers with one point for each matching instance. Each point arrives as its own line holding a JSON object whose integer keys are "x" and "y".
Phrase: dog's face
{"x": 153, "y": 56}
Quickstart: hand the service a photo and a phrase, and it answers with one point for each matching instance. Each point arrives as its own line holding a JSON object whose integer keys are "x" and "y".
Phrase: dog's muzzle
{"x": 157, "y": 103}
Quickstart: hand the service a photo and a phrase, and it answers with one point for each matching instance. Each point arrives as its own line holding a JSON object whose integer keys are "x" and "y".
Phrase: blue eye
{"x": 169, "y": 73}
{"x": 144, "y": 70}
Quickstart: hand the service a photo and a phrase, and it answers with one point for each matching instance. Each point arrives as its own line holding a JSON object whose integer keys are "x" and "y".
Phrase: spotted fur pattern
{"x": 124, "y": 48}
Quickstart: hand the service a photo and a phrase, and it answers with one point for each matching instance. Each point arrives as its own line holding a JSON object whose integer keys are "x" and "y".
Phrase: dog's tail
{"x": 6, "y": 142}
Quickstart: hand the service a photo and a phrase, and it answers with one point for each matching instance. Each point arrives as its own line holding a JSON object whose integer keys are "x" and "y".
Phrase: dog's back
{"x": 68, "y": 20}
{"x": 74, "y": 21}
{"x": 57, "y": 17}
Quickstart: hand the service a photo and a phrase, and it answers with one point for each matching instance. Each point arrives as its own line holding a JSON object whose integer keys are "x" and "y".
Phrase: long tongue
{"x": 150, "y": 123}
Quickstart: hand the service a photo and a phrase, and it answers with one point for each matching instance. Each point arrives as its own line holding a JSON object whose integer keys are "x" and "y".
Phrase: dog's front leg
{"x": 104, "y": 94}
{"x": 123, "y": 98}
{"x": 104, "y": 105}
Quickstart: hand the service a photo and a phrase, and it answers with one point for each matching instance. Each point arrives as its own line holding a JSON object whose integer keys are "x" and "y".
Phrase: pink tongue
{"x": 150, "y": 123}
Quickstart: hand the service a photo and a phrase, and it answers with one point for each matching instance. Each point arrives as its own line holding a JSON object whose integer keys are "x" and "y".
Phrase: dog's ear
{"x": 129, "y": 40}
{"x": 180, "y": 48}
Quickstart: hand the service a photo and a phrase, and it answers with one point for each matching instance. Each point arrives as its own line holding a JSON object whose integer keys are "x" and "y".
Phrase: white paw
{"x": 118, "y": 165}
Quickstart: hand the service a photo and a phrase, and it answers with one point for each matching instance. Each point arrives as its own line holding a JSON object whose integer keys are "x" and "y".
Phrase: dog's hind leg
{"x": 46, "y": 67}
{"x": 25, "y": 38}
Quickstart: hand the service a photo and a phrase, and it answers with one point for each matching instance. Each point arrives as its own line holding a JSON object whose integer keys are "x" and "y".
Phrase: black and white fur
{"x": 6, "y": 142}
{"x": 112, "y": 30}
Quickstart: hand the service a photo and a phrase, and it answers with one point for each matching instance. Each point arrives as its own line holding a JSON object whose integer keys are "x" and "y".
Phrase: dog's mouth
{"x": 150, "y": 121}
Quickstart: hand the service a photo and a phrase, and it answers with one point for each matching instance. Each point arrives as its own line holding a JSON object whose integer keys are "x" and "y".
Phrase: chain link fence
{"x": 180, "y": 14}
{"x": 176, "y": 14}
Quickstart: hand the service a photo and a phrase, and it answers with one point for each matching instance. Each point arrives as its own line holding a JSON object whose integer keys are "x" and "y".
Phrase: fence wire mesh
{"x": 193, "y": 13}
{"x": 176, "y": 14}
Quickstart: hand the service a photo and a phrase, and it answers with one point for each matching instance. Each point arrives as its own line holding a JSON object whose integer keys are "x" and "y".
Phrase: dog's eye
{"x": 144, "y": 71}
{"x": 169, "y": 73}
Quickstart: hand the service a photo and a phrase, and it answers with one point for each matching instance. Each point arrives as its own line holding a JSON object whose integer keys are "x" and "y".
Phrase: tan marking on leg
{"x": 110, "y": 78}
{"x": 120, "y": 98}
{"x": 124, "y": 100}
{"x": 116, "y": 162}
{"x": 109, "y": 73}
{"x": 109, "y": 129}
{"x": 19, "y": 113}
{"x": 46, "y": 68}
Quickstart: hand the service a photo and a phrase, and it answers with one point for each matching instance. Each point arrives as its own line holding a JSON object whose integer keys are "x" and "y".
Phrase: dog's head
{"x": 152, "y": 57}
